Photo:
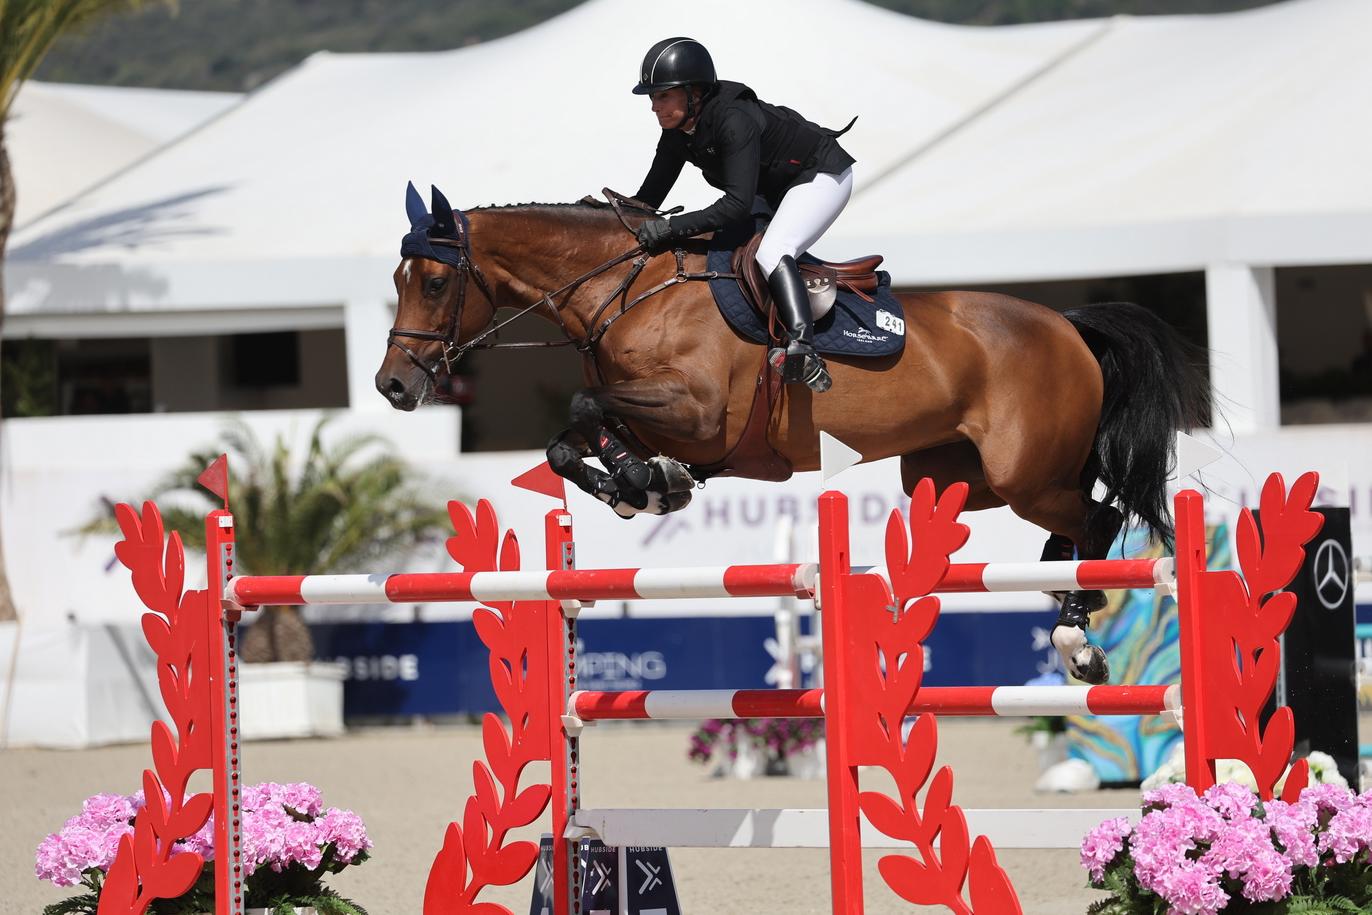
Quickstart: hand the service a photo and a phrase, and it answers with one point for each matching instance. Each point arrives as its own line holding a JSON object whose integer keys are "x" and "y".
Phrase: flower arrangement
{"x": 777, "y": 739}
{"x": 1226, "y": 851}
{"x": 290, "y": 841}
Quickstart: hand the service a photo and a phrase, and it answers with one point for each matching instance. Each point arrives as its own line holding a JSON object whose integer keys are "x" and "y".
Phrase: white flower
{"x": 1173, "y": 769}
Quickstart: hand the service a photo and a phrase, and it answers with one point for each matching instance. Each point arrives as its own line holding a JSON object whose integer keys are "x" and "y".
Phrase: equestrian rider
{"x": 745, "y": 147}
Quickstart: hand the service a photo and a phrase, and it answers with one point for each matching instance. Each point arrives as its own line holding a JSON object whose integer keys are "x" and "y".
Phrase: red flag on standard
{"x": 216, "y": 478}
{"x": 543, "y": 480}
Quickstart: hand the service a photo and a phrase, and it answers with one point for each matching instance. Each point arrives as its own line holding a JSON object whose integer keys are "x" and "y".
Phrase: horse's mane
{"x": 588, "y": 204}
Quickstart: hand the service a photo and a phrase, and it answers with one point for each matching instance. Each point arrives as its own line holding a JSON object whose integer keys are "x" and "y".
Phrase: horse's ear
{"x": 445, "y": 225}
{"x": 414, "y": 205}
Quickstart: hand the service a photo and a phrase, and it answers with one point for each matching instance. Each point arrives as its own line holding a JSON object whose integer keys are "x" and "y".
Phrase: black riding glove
{"x": 654, "y": 233}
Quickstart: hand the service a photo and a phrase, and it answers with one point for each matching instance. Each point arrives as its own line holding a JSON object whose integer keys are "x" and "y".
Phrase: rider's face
{"x": 670, "y": 107}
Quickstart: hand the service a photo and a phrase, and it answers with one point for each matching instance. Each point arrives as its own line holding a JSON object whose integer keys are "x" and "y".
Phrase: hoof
{"x": 628, "y": 503}
{"x": 1089, "y": 665}
{"x": 676, "y": 501}
{"x": 669, "y": 476}
{"x": 1083, "y": 660}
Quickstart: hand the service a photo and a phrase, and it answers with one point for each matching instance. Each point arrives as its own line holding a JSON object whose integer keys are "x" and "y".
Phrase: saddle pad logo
{"x": 888, "y": 321}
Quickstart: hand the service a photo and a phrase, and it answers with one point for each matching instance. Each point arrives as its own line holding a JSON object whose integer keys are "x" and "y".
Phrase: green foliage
{"x": 85, "y": 904}
{"x": 28, "y": 28}
{"x": 28, "y": 378}
{"x": 239, "y": 44}
{"x": 337, "y": 507}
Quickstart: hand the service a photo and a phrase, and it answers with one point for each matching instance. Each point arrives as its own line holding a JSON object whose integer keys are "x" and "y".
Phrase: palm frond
{"x": 28, "y": 28}
{"x": 341, "y": 503}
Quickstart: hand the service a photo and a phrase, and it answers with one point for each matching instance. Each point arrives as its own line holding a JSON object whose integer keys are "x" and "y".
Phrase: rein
{"x": 453, "y": 351}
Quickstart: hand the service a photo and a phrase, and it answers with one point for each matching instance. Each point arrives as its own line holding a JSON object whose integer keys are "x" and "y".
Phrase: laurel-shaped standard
{"x": 144, "y": 868}
{"x": 474, "y": 854}
{"x": 886, "y": 670}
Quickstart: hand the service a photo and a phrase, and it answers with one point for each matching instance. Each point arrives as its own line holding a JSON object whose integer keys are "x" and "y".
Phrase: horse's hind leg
{"x": 955, "y": 462}
{"x": 1065, "y": 512}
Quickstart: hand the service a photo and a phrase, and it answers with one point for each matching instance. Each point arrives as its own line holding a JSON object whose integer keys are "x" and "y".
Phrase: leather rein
{"x": 596, "y": 328}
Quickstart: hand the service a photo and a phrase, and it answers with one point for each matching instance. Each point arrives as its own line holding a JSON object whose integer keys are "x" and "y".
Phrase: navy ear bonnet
{"x": 437, "y": 221}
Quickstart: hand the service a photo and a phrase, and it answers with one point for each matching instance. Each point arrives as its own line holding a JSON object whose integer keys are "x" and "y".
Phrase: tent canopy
{"x": 1060, "y": 149}
{"x": 65, "y": 138}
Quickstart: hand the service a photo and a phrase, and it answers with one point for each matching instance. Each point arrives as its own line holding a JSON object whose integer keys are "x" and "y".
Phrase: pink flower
{"x": 1244, "y": 850}
{"x": 1328, "y": 798}
{"x": 106, "y": 810}
{"x": 1230, "y": 800}
{"x": 346, "y": 830}
{"x": 1293, "y": 826}
{"x": 1348, "y": 833}
{"x": 1169, "y": 795}
{"x": 1102, "y": 844}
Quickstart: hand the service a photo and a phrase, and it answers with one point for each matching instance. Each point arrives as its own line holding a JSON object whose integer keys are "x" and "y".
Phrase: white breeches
{"x": 805, "y": 213}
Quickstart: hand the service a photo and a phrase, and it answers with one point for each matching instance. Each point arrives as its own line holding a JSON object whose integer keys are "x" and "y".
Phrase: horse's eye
{"x": 435, "y": 285}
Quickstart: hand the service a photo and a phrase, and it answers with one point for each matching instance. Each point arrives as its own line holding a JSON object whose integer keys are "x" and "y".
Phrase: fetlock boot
{"x": 799, "y": 362}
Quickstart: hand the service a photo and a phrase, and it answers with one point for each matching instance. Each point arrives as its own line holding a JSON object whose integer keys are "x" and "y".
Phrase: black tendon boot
{"x": 800, "y": 362}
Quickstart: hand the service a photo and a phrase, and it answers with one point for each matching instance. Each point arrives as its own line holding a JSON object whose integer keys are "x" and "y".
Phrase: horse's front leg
{"x": 589, "y": 416}
{"x": 662, "y": 403}
{"x": 566, "y": 455}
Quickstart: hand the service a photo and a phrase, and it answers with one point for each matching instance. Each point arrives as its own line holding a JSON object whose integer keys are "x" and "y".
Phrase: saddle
{"x": 823, "y": 279}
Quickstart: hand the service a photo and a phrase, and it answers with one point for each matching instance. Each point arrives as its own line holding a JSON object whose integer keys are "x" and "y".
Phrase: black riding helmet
{"x": 674, "y": 62}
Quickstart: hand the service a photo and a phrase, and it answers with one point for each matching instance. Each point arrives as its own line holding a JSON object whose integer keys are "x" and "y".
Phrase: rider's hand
{"x": 653, "y": 233}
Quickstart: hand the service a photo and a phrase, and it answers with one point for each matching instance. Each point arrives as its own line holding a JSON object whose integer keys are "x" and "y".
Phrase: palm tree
{"x": 345, "y": 504}
{"x": 28, "y": 29}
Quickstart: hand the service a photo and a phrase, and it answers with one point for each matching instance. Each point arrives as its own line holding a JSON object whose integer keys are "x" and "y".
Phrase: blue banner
{"x": 401, "y": 669}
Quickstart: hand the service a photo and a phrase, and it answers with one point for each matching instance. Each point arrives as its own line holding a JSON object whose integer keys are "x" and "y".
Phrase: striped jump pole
{"x": 776, "y": 580}
{"x": 961, "y": 701}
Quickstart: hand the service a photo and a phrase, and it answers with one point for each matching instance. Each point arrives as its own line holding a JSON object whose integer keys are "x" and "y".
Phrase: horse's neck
{"x": 528, "y": 252}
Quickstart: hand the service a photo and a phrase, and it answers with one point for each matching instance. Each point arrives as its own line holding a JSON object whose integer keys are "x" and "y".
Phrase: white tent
{"x": 65, "y": 138}
{"x": 1159, "y": 144}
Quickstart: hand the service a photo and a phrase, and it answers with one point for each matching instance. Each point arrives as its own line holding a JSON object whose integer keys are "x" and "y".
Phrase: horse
{"x": 1031, "y": 407}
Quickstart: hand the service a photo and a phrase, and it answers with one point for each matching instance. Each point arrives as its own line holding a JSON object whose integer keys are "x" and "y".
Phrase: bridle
{"x": 448, "y": 336}
{"x": 466, "y": 267}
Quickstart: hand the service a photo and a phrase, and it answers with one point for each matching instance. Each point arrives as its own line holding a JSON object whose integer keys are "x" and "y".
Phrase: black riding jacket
{"x": 744, "y": 147}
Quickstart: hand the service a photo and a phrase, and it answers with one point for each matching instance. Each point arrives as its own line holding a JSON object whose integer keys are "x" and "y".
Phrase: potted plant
{"x": 338, "y": 504}
{"x": 291, "y": 842}
{"x": 749, "y": 747}
{"x": 1227, "y": 852}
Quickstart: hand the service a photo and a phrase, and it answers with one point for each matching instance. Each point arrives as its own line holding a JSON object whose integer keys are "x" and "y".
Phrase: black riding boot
{"x": 799, "y": 362}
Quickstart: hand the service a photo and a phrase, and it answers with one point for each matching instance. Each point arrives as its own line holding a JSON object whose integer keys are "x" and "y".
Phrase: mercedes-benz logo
{"x": 1331, "y": 574}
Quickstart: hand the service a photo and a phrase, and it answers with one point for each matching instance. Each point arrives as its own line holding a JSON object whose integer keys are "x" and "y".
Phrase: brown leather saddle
{"x": 858, "y": 276}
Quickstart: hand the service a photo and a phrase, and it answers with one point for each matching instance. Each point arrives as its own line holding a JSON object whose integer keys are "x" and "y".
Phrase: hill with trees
{"x": 236, "y": 45}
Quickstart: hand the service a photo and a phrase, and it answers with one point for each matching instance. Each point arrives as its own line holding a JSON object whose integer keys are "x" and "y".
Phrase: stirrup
{"x": 800, "y": 364}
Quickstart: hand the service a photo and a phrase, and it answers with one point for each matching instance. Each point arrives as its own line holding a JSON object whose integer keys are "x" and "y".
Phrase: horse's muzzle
{"x": 401, "y": 395}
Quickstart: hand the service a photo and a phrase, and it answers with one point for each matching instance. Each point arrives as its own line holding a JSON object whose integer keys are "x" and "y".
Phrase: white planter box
{"x": 290, "y": 699}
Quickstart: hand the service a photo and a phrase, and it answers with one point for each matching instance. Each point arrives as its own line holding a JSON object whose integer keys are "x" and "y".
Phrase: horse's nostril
{"x": 394, "y": 386}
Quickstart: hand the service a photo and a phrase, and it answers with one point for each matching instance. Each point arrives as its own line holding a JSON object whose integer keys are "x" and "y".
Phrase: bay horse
{"x": 1028, "y": 406}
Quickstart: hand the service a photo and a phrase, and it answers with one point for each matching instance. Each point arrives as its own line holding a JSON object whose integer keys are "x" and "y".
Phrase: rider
{"x": 745, "y": 147}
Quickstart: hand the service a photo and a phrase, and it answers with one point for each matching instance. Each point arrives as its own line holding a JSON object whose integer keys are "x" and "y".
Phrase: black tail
{"x": 1155, "y": 384}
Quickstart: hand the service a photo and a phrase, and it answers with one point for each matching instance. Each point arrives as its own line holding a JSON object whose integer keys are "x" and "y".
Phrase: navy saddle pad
{"x": 853, "y": 327}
